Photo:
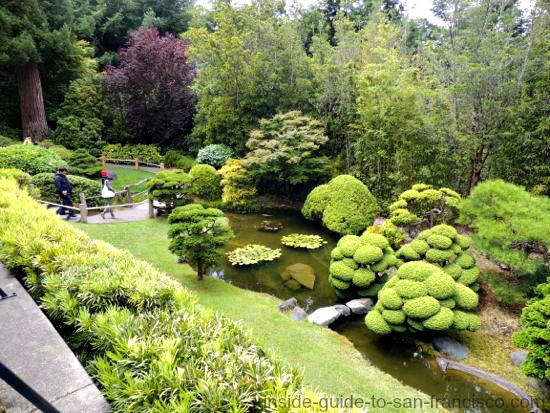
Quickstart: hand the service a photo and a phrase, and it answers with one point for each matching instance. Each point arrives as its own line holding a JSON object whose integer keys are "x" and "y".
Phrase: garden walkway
{"x": 31, "y": 347}
{"x": 135, "y": 213}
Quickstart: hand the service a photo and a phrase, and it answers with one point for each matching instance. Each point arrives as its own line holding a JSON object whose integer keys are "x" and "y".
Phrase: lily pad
{"x": 252, "y": 254}
{"x": 303, "y": 241}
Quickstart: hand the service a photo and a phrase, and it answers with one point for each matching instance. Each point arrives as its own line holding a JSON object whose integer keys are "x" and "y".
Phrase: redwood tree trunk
{"x": 33, "y": 115}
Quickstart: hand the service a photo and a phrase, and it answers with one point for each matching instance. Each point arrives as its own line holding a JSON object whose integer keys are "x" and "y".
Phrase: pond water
{"x": 394, "y": 355}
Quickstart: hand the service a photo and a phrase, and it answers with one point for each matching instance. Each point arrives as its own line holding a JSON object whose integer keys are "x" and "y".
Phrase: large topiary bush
{"x": 358, "y": 265}
{"x": 238, "y": 186}
{"x": 421, "y": 296}
{"x": 214, "y": 155}
{"x": 344, "y": 205}
{"x": 171, "y": 188}
{"x": 30, "y": 158}
{"x": 45, "y": 185}
{"x": 512, "y": 226}
{"x": 205, "y": 182}
{"x": 444, "y": 247}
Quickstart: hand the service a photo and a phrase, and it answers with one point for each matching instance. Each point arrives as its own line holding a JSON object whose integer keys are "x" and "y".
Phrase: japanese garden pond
{"x": 395, "y": 355}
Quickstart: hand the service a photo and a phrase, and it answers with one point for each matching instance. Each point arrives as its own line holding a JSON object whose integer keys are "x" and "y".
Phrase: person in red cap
{"x": 107, "y": 193}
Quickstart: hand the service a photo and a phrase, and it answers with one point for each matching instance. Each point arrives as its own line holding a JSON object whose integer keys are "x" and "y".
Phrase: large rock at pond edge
{"x": 343, "y": 309}
{"x": 450, "y": 347}
{"x": 360, "y": 305}
{"x": 302, "y": 273}
{"x": 299, "y": 314}
{"x": 288, "y": 305}
{"x": 324, "y": 316}
{"x": 518, "y": 357}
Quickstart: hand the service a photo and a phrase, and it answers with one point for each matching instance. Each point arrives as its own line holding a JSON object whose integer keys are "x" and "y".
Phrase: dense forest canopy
{"x": 400, "y": 100}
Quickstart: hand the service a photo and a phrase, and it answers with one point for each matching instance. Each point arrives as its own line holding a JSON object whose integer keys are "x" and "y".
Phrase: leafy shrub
{"x": 205, "y": 182}
{"x": 185, "y": 163}
{"x": 171, "y": 188}
{"x": 512, "y": 225}
{"x": 62, "y": 152}
{"x": 5, "y": 141}
{"x": 358, "y": 264}
{"x": 344, "y": 205}
{"x": 198, "y": 235}
{"x": 145, "y": 153}
{"x": 83, "y": 163}
{"x": 310, "y": 242}
{"x": 23, "y": 179}
{"x": 172, "y": 157}
{"x": 510, "y": 294}
{"x": 252, "y": 254}
{"x": 30, "y": 158}
{"x": 214, "y": 155}
{"x": 238, "y": 187}
{"x": 137, "y": 331}
{"x": 45, "y": 185}
{"x": 420, "y": 296}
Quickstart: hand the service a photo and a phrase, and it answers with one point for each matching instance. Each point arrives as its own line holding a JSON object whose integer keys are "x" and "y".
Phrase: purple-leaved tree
{"x": 151, "y": 85}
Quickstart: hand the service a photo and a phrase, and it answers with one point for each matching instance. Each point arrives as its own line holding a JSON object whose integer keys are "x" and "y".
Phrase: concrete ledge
{"x": 31, "y": 347}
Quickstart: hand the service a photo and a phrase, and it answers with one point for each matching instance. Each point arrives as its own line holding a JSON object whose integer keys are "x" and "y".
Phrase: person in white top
{"x": 107, "y": 193}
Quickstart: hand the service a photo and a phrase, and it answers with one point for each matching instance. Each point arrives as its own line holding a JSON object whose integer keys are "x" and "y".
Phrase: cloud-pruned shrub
{"x": 344, "y": 205}
{"x": 170, "y": 188}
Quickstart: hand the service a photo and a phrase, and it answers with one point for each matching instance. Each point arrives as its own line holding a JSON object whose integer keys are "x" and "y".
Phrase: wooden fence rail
{"x": 137, "y": 162}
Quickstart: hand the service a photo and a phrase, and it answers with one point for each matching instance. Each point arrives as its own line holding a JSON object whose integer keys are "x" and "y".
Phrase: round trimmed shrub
{"x": 469, "y": 276}
{"x": 441, "y": 321}
{"x": 416, "y": 271}
{"x": 30, "y": 158}
{"x": 363, "y": 277}
{"x": 439, "y": 256}
{"x": 214, "y": 155}
{"x": 419, "y": 246}
{"x": 465, "y": 297}
{"x": 348, "y": 244}
{"x": 421, "y": 307}
{"x": 23, "y": 179}
{"x": 344, "y": 205}
{"x": 440, "y": 242}
{"x": 341, "y": 271}
{"x": 378, "y": 240}
{"x": 440, "y": 285}
{"x": 205, "y": 182}
{"x": 376, "y": 323}
{"x": 410, "y": 288}
{"x": 367, "y": 254}
{"x": 389, "y": 298}
{"x": 465, "y": 261}
{"x": 394, "y": 316}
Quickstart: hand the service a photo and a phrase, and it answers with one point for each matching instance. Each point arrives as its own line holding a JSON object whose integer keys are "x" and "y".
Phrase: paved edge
{"x": 32, "y": 348}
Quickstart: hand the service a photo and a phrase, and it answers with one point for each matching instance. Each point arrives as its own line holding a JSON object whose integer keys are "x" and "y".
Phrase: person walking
{"x": 107, "y": 193}
{"x": 65, "y": 191}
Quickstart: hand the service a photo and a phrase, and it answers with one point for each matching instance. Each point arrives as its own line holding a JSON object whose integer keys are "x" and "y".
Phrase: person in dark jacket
{"x": 65, "y": 192}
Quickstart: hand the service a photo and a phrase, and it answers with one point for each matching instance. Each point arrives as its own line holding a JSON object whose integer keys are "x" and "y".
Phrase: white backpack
{"x": 106, "y": 192}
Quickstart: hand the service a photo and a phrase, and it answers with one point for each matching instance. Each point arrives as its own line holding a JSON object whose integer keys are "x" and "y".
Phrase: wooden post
{"x": 83, "y": 208}
{"x": 151, "y": 209}
{"x": 128, "y": 194}
{"x": 136, "y": 163}
{"x": 103, "y": 159}
{"x": 162, "y": 166}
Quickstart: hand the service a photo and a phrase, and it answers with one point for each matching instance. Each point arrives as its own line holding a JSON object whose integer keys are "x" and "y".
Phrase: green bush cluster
{"x": 214, "y": 155}
{"x": 62, "y": 152}
{"x": 141, "y": 335}
{"x": 344, "y": 205}
{"x": 512, "y": 226}
{"x": 238, "y": 186}
{"x": 44, "y": 184}
{"x": 205, "y": 182}
{"x": 23, "y": 179}
{"x": 83, "y": 163}
{"x": 421, "y": 296}
{"x": 6, "y": 141}
{"x": 171, "y": 188}
{"x": 358, "y": 264}
{"x": 30, "y": 158}
{"x": 443, "y": 246}
{"x": 422, "y": 205}
{"x": 145, "y": 153}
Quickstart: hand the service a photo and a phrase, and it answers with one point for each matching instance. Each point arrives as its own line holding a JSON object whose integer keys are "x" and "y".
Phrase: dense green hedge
{"x": 45, "y": 185}
{"x": 30, "y": 158}
{"x": 205, "y": 182}
{"x": 344, "y": 205}
{"x": 511, "y": 225}
{"x": 141, "y": 335}
{"x": 145, "y": 153}
{"x": 23, "y": 179}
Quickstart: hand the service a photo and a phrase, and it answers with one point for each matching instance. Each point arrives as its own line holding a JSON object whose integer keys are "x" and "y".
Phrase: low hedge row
{"x": 141, "y": 335}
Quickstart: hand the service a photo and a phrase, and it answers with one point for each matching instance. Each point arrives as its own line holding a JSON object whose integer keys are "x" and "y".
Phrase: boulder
{"x": 360, "y": 305}
{"x": 299, "y": 314}
{"x": 292, "y": 284}
{"x": 518, "y": 357}
{"x": 343, "y": 309}
{"x": 302, "y": 273}
{"x": 324, "y": 316}
{"x": 451, "y": 347}
{"x": 288, "y": 305}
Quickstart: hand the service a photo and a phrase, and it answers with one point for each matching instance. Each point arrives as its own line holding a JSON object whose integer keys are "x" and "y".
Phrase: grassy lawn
{"x": 126, "y": 176}
{"x": 330, "y": 362}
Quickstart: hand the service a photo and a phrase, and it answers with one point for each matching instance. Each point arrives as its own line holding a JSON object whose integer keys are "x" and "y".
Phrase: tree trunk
{"x": 200, "y": 271}
{"x": 33, "y": 115}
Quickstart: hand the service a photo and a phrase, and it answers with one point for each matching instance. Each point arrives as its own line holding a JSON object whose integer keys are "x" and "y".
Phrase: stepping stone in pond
{"x": 302, "y": 273}
{"x": 360, "y": 305}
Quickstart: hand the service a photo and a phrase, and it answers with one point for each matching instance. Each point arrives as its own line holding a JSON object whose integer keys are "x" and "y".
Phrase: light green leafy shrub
{"x": 238, "y": 186}
{"x": 23, "y": 179}
{"x": 205, "y": 182}
{"x": 358, "y": 263}
{"x": 172, "y": 157}
{"x": 512, "y": 226}
{"x": 171, "y": 188}
{"x": 62, "y": 152}
{"x": 214, "y": 155}
{"x": 344, "y": 205}
{"x": 6, "y": 141}
{"x": 429, "y": 299}
{"x": 44, "y": 185}
{"x": 137, "y": 331}
{"x": 145, "y": 153}
{"x": 30, "y": 158}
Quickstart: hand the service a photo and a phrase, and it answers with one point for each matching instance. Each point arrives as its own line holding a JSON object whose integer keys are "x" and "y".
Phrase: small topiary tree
{"x": 83, "y": 163}
{"x": 198, "y": 235}
{"x": 205, "y": 182}
{"x": 344, "y": 205}
{"x": 358, "y": 265}
{"x": 214, "y": 155}
{"x": 171, "y": 188}
{"x": 421, "y": 296}
{"x": 420, "y": 207}
{"x": 30, "y": 158}
{"x": 238, "y": 186}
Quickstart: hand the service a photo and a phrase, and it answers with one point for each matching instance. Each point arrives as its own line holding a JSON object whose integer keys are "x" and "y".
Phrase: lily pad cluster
{"x": 421, "y": 296}
{"x": 358, "y": 264}
{"x": 303, "y": 241}
{"x": 252, "y": 254}
{"x": 444, "y": 247}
